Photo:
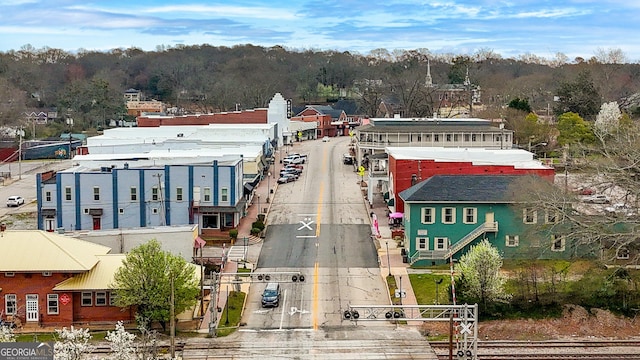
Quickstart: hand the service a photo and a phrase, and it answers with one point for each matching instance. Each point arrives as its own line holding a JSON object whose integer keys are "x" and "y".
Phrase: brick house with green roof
{"x": 446, "y": 214}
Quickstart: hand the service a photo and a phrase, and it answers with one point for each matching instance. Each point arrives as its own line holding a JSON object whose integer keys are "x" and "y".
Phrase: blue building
{"x": 122, "y": 196}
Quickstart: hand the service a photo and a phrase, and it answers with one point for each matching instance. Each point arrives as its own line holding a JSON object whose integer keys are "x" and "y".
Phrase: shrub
{"x": 233, "y": 233}
{"x": 255, "y": 231}
{"x": 258, "y": 224}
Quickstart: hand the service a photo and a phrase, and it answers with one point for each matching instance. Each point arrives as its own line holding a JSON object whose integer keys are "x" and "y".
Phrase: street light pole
{"x": 227, "y": 321}
{"x": 244, "y": 262}
{"x": 268, "y": 185}
{"x": 388, "y": 258}
{"x": 258, "y": 195}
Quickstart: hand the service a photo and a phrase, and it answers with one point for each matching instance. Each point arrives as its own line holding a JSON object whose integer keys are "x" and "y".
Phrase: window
{"x": 512, "y": 240}
{"x": 46, "y": 273}
{"x": 178, "y": 194}
{"x": 456, "y": 137}
{"x": 427, "y": 215}
{"x": 557, "y": 243}
{"x": 448, "y": 215}
{"x": 47, "y": 195}
{"x": 96, "y": 193}
{"x": 228, "y": 219}
{"x": 470, "y": 215}
{"x": 473, "y": 137}
{"x": 441, "y": 243}
{"x": 52, "y": 304}
{"x": 154, "y": 210}
{"x": 67, "y": 193}
{"x": 9, "y": 274}
{"x": 423, "y": 243}
{"x": 466, "y": 137}
{"x": 87, "y": 299}
{"x": 224, "y": 194}
{"x": 207, "y": 194}
{"x": 448, "y": 137}
{"x": 101, "y": 298}
{"x": 436, "y": 137}
{"x": 154, "y": 193}
{"x": 133, "y": 193}
{"x": 112, "y": 298}
{"x": 121, "y": 211}
{"x": 529, "y": 216}
{"x": 10, "y": 304}
{"x": 551, "y": 217}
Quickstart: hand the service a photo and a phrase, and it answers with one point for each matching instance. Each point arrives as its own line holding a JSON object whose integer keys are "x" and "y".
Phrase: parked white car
{"x": 597, "y": 199}
{"x": 15, "y": 201}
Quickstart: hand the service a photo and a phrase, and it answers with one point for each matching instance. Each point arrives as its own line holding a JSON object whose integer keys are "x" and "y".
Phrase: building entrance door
{"x": 96, "y": 223}
{"x": 32, "y": 307}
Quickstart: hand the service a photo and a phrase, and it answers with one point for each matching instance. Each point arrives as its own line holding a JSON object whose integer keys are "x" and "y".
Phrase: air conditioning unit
{"x": 60, "y": 230}
{"x": 86, "y": 210}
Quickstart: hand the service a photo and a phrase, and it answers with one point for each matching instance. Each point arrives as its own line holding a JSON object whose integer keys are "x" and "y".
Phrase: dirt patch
{"x": 576, "y": 323}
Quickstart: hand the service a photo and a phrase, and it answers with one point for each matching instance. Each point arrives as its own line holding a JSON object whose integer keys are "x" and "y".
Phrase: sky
{"x": 510, "y": 28}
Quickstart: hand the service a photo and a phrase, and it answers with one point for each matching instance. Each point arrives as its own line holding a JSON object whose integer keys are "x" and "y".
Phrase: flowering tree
{"x": 6, "y": 334}
{"x": 481, "y": 278}
{"x": 607, "y": 120}
{"x": 121, "y": 343}
{"x": 72, "y": 344}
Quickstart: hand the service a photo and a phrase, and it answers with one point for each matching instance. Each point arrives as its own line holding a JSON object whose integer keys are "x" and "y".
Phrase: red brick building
{"x": 408, "y": 166}
{"x": 255, "y": 116}
{"x": 47, "y": 279}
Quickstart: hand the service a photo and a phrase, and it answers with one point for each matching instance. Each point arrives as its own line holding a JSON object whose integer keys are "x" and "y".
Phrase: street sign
{"x": 361, "y": 169}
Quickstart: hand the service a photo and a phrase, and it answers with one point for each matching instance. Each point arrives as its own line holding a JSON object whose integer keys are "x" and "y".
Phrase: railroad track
{"x": 550, "y": 350}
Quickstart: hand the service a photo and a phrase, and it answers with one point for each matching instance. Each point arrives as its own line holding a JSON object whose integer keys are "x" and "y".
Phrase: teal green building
{"x": 446, "y": 214}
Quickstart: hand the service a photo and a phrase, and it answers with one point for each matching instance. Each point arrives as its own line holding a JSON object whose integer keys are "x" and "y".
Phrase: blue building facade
{"x": 114, "y": 198}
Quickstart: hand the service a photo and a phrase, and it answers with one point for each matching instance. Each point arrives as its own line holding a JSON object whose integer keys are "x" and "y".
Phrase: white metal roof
{"x": 212, "y": 133}
{"x": 478, "y": 156}
{"x": 227, "y": 155}
{"x": 39, "y": 251}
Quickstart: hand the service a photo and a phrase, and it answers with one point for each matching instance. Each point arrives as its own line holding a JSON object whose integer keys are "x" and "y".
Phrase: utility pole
{"x": 212, "y": 305}
{"x": 162, "y": 212}
{"x": 172, "y": 321}
{"x": 20, "y": 155}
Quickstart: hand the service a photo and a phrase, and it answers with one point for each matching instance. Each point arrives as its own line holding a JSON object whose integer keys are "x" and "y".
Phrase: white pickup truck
{"x": 295, "y": 159}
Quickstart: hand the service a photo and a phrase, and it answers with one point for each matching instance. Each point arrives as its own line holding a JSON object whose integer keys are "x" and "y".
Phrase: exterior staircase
{"x": 467, "y": 239}
{"x": 485, "y": 227}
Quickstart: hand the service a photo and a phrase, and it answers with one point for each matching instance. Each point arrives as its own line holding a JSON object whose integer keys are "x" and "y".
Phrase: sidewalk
{"x": 390, "y": 254}
{"x": 254, "y": 243}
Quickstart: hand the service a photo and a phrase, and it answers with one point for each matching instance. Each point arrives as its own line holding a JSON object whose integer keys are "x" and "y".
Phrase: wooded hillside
{"x": 206, "y": 78}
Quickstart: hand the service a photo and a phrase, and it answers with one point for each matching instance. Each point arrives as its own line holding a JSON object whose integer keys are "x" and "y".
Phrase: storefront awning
{"x": 48, "y": 212}
{"x": 248, "y": 188}
{"x": 199, "y": 243}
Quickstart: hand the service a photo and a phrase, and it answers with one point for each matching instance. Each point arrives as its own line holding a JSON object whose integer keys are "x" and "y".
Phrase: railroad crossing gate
{"x": 464, "y": 318}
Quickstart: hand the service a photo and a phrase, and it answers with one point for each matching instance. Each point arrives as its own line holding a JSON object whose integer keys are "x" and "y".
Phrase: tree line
{"x": 88, "y": 85}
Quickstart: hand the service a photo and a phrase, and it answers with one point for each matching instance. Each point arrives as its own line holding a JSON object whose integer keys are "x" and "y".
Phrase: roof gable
{"x": 461, "y": 188}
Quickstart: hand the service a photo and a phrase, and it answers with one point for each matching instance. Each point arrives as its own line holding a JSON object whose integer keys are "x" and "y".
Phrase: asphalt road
{"x": 319, "y": 227}
{"x": 23, "y": 182}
